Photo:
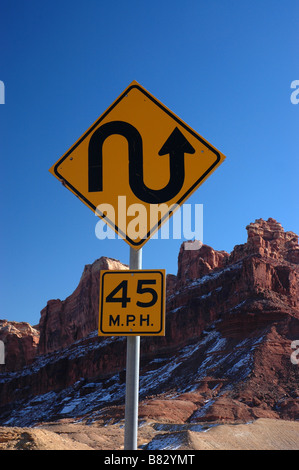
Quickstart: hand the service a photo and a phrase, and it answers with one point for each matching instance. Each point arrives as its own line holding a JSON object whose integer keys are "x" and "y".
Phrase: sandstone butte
{"x": 231, "y": 321}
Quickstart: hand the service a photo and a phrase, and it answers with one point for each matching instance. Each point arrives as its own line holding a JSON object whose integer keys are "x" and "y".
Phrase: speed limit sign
{"x": 132, "y": 303}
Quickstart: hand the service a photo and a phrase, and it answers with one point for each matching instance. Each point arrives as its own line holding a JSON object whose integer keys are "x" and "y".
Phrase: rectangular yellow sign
{"x": 132, "y": 303}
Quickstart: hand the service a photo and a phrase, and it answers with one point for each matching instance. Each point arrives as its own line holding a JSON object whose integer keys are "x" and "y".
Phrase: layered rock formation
{"x": 230, "y": 323}
{"x": 63, "y": 322}
{"x": 21, "y": 341}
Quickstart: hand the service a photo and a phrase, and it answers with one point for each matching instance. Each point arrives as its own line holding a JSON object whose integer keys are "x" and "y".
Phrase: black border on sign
{"x": 135, "y": 333}
{"x": 180, "y": 200}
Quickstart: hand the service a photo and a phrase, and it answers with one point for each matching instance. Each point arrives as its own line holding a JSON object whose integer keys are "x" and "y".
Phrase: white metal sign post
{"x": 132, "y": 373}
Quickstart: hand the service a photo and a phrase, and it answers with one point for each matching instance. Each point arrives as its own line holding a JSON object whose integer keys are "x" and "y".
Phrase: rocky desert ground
{"x": 262, "y": 434}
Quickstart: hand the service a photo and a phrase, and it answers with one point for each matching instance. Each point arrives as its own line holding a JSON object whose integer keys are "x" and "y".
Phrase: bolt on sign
{"x": 132, "y": 303}
{"x": 139, "y": 149}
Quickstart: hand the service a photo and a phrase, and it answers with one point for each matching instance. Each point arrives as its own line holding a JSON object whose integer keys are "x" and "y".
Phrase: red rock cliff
{"x": 230, "y": 322}
{"x": 64, "y": 321}
{"x": 21, "y": 341}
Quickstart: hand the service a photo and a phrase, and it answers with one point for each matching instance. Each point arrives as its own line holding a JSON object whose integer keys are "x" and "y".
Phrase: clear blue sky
{"x": 223, "y": 66}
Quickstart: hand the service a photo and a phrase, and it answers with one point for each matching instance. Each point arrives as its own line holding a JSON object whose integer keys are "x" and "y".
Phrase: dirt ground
{"x": 262, "y": 434}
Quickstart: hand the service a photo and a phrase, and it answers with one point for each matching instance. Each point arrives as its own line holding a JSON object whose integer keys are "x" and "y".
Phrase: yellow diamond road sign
{"x": 132, "y": 303}
{"x": 136, "y": 165}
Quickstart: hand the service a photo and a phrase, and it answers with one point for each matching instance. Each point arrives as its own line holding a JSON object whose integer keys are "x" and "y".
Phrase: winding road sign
{"x": 140, "y": 151}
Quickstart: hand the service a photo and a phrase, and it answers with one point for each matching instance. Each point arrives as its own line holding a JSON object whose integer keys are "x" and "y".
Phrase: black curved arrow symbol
{"x": 176, "y": 146}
